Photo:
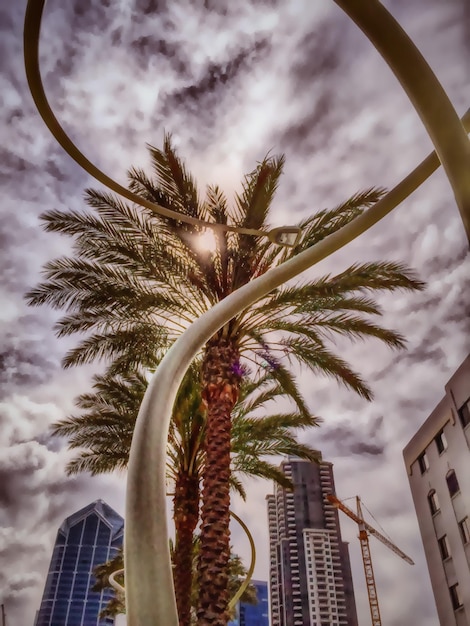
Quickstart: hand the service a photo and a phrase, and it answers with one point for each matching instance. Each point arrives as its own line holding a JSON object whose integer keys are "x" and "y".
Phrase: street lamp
{"x": 149, "y": 584}
{"x": 149, "y": 587}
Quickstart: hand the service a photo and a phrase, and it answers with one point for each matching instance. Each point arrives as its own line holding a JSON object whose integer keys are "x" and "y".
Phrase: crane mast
{"x": 364, "y": 530}
{"x": 368, "y": 569}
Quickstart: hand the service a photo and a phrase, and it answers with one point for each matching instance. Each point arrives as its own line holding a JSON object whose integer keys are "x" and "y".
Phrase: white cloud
{"x": 295, "y": 77}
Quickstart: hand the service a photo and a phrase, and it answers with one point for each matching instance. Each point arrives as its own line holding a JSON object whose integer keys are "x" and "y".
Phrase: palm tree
{"x": 136, "y": 281}
{"x": 103, "y": 433}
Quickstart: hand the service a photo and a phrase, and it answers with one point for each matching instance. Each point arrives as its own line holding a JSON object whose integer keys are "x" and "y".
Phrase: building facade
{"x": 437, "y": 460}
{"x": 254, "y": 614}
{"x": 310, "y": 572}
{"x": 86, "y": 539}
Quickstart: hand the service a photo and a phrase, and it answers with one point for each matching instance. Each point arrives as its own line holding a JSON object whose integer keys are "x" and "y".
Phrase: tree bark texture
{"x": 221, "y": 382}
{"x": 186, "y": 516}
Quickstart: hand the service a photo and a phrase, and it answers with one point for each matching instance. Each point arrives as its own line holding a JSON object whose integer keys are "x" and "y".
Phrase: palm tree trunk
{"x": 186, "y": 516}
{"x": 221, "y": 381}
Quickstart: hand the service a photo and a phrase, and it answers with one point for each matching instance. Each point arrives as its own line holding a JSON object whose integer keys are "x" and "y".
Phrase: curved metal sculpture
{"x": 283, "y": 235}
{"x": 251, "y": 569}
{"x": 150, "y": 597}
{"x": 114, "y": 583}
{"x": 425, "y": 92}
{"x": 120, "y": 589}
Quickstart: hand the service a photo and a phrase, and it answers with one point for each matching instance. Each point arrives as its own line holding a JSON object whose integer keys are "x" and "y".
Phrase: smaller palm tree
{"x": 103, "y": 433}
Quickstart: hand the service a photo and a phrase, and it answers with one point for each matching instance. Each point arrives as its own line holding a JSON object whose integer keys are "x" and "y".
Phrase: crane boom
{"x": 338, "y": 504}
{"x": 364, "y": 530}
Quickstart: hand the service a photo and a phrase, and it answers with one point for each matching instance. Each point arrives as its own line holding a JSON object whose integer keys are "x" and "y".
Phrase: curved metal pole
{"x": 251, "y": 569}
{"x": 146, "y": 547}
{"x": 31, "y": 35}
{"x": 150, "y": 595}
{"x": 405, "y": 60}
{"x": 114, "y": 583}
{"x": 425, "y": 92}
{"x": 120, "y": 589}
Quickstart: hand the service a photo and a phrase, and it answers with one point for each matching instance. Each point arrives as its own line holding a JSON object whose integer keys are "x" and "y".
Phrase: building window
{"x": 455, "y": 596}
{"x": 441, "y": 442}
{"x": 452, "y": 483}
{"x": 423, "y": 462}
{"x": 433, "y": 502}
{"x": 464, "y": 413}
{"x": 464, "y": 530}
{"x": 444, "y": 547}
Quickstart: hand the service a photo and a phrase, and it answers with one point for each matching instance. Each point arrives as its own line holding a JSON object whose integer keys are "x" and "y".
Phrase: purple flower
{"x": 239, "y": 369}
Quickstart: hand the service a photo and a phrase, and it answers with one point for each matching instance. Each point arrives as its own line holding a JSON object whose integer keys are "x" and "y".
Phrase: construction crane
{"x": 364, "y": 530}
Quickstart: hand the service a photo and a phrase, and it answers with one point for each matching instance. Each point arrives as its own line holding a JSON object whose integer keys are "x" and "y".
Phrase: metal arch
{"x": 150, "y": 597}
{"x": 250, "y": 571}
{"x": 31, "y": 35}
{"x": 120, "y": 589}
{"x": 113, "y": 582}
{"x": 416, "y": 77}
{"x": 151, "y": 591}
{"x": 425, "y": 92}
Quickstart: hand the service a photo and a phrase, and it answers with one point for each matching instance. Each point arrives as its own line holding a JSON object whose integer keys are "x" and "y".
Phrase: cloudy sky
{"x": 231, "y": 81}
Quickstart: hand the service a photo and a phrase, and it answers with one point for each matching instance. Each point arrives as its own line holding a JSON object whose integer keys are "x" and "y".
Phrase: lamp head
{"x": 285, "y": 235}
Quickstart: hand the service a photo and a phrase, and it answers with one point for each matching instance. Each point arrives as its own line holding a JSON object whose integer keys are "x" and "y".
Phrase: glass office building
{"x": 86, "y": 539}
{"x": 254, "y": 614}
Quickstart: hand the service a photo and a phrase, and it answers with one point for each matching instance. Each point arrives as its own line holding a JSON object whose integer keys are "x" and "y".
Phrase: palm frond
{"x": 326, "y": 222}
{"x": 140, "y": 345}
{"x": 322, "y": 361}
{"x": 259, "y": 188}
{"x": 237, "y": 485}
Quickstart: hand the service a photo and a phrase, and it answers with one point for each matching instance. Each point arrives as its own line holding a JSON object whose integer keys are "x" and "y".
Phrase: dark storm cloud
{"x": 149, "y": 7}
{"x": 23, "y": 363}
{"x": 356, "y": 438}
{"x": 318, "y": 53}
{"x": 213, "y": 88}
{"x": 231, "y": 81}
{"x": 22, "y": 468}
{"x": 148, "y": 49}
{"x": 11, "y": 162}
{"x": 312, "y": 132}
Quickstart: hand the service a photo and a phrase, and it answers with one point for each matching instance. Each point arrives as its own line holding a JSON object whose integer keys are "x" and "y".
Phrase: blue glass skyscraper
{"x": 254, "y": 614}
{"x": 86, "y": 539}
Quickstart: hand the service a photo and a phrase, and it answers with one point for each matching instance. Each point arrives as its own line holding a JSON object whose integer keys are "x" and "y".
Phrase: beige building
{"x": 438, "y": 464}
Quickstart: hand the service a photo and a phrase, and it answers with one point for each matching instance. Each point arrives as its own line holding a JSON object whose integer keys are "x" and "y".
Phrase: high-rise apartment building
{"x": 254, "y": 614}
{"x": 310, "y": 572}
{"x": 437, "y": 460}
{"x": 86, "y": 539}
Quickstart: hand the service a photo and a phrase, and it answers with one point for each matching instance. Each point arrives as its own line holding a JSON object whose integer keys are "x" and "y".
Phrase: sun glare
{"x": 206, "y": 241}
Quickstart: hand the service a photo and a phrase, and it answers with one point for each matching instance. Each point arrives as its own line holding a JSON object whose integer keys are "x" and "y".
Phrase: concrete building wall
{"x": 437, "y": 460}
